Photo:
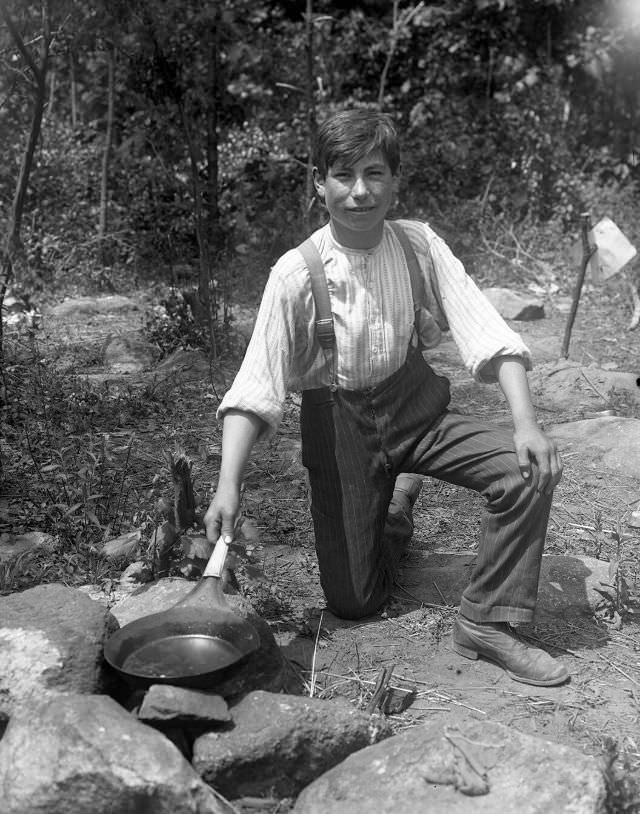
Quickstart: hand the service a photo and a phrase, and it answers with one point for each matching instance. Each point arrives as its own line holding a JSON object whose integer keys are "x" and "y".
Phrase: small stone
{"x": 136, "y": 573}
{"x": 164, "y": 703}
{"x": 512, "y": 305}
{"x": 634, "y": 520}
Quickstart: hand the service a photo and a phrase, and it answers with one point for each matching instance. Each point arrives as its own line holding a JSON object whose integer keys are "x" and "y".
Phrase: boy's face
{"x": 357, "y": 197}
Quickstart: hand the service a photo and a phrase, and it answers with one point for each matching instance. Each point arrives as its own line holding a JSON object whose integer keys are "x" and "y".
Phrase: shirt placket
{"x": 374, "y": 317}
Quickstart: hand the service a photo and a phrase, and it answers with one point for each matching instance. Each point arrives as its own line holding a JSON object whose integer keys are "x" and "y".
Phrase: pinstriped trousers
{"x": 355, "y": 443}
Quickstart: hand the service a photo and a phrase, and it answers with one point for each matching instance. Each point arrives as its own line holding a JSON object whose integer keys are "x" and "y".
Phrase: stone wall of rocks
{"x": 75, "y": 739}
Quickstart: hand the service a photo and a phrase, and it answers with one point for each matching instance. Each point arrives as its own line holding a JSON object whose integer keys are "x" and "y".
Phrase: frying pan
{"x": 193, "y": 644}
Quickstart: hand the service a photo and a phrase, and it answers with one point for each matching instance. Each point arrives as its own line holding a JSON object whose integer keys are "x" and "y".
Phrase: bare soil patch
{"x": 598, "y": 711}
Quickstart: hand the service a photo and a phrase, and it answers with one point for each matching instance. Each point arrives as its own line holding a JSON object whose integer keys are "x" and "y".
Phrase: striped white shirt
{"x": 372, "y": 307}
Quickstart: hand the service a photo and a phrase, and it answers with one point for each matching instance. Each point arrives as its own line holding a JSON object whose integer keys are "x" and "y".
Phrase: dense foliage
{"x": 511, "y": 110}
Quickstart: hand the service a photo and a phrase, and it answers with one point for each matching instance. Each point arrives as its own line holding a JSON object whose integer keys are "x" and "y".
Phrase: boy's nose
{"x": 359, "y": 189}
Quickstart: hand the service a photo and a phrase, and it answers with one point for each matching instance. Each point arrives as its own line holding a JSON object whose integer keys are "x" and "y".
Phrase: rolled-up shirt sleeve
{"x": 478, "y": 330}
{"x": 260, "y": 385}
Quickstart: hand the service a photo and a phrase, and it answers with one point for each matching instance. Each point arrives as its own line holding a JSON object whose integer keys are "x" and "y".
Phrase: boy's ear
{"x": 318, "y": 182}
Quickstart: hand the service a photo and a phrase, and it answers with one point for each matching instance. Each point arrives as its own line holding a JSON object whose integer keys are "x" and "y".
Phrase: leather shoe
{"x": 498, "y": 642}
{"x": 399, "y": 523}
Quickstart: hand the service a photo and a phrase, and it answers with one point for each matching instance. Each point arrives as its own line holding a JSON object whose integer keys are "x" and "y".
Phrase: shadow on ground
{"x": 413, "y": 636}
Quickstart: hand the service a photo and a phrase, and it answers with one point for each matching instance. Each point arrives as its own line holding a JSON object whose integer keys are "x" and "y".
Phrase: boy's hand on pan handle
{"x": 223, "y": 512}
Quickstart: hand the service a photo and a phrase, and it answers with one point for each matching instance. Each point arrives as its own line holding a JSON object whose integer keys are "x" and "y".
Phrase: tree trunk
{"x": 106, "y": 156}
{"x": 73, "y": 90}
{"x": 206, "y": 292}
{"x": 311, "y": 117}
{"x": 52, "y": 92}
{"x": 12, "y": 249}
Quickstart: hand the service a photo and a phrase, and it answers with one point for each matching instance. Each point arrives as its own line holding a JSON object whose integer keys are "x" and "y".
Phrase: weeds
{"x": 623, "y": 402}
{"x": 623, "y": 790}
{"x": 70, "y": 470}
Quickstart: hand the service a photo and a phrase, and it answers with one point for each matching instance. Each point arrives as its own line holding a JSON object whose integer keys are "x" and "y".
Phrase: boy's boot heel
{"x": 467, "y": 652}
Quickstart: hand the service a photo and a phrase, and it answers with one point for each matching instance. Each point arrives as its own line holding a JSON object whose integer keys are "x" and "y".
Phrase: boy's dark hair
{"x": 351, "y": 134}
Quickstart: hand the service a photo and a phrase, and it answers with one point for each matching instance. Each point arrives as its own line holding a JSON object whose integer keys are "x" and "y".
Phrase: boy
{"x": 372, "y": 408}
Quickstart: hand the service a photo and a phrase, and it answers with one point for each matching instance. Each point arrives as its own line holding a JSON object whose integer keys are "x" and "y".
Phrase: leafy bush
{"x": 64, "y": 453}
{"x": 172, "y": 325}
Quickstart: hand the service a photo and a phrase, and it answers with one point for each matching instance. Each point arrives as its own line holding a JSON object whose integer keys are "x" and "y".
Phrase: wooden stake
{"x": 587, "y": 254}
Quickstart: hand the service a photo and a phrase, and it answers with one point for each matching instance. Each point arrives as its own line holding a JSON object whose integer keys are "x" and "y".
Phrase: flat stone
{"x": 279, "y": 743}
{"x": 85, "y": 753}
{"x": 164, "y": 704}
{"x": 128, "y": 353}
{"x": 512, "y": 305}
{"x": 14, "y": 545}
{"x": 610, "y": 443}
{"x": 92, "y": 305}
{"x": 480, "y": 768}
{"x": 568, "y": 385}
{"x": 51, "y": 641}
{"x": 190, "y": 365}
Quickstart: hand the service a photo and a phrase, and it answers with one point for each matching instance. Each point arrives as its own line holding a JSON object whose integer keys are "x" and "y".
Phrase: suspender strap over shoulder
{"x": 424, "y": 287}
{"x": 417, "y": 284}
{"x": 324, "y": 319}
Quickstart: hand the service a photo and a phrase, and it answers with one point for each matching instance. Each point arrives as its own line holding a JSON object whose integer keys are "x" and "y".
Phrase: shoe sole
{"x": 468, "y": 653}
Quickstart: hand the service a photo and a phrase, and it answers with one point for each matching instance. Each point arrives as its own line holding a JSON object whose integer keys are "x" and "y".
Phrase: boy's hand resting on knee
{"x": 533, "y": 446}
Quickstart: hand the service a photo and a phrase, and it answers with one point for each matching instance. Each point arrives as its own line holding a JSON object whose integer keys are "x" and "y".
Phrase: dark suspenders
{"x": 320, "y": 291}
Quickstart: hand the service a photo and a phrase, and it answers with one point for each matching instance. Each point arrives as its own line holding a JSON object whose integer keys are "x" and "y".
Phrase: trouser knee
{"x": 353, "y": 606}
{"x": 515, "y": 493}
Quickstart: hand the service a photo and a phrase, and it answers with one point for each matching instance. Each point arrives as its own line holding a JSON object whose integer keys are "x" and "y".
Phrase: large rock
{"x": 87, "y": 755}
{"x": 280, "y": 743}
{"x": 128, "y": 353}
{"x": 51, "y": 641}
{"x": 13, "y": 546}
{"x": 265, "y": 669}
{"x": 480, "y": 768}
{"x": 512, "y": 305}
{"x": 88, "y": 306}
{"x": 609, "y": 443}
{"x": 569, "y": 385}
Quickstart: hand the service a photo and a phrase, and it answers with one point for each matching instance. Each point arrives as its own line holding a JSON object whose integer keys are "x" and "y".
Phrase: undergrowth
{"x": 623, "y": 789}
{"x": 70, "y": 468}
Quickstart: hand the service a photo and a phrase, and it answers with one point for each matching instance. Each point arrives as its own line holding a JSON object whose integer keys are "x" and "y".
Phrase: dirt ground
{"x": 598, "y": 711}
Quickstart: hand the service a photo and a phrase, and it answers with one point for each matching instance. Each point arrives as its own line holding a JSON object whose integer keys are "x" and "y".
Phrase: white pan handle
{"x": 217, "y": 559}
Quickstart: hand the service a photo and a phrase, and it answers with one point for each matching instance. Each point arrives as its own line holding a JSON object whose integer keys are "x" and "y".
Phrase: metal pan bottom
{"x": 181, "y": 656}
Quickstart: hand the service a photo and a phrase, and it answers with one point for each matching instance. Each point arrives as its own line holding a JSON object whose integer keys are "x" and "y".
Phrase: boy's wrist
{"x": 526, "y": 425}
{"x": 229, "y": 482}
